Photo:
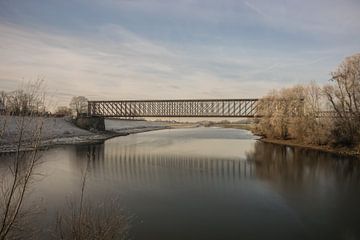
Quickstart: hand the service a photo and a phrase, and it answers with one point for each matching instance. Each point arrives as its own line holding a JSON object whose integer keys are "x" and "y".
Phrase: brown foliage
{"x": 278, "y": 110}
{"x": 343, "y": 95}
{"x": 292, "y": 113}
{"x": 295, "y": 112}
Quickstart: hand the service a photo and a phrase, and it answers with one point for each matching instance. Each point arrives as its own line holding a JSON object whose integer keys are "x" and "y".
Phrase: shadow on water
{"x": 184, "y": 188}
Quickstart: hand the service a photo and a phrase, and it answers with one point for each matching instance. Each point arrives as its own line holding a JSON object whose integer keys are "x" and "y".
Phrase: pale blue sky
{"x": 145, "y": 49}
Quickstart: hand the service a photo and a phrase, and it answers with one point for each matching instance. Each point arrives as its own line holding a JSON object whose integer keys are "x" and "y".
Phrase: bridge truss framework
{"x": 175, "y": 108}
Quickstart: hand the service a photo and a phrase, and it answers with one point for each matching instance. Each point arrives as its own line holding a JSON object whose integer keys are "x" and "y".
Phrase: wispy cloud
{"x": 157, "y": 49}
{"x": 323, "y": 18}
{"x": 255, "y": 9}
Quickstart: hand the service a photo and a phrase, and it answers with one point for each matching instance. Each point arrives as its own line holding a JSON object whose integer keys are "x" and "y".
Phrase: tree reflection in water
{"x": 291, "y": 165}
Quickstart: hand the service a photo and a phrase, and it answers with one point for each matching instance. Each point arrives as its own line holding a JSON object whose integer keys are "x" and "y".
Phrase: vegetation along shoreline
{"x": 341, "y": 151}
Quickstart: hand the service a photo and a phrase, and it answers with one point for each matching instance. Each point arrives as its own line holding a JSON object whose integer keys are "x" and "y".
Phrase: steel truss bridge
{"x": 175, "y": 108}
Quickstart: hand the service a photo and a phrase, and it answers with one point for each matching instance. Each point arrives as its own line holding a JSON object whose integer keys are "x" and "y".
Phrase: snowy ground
{"x": 61, "y": 131}
{"x": 51, "y": 128}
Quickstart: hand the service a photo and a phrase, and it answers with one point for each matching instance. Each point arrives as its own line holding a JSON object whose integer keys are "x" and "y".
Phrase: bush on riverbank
{"x": 310, "y": 114}
{"x": 291, "y": 113}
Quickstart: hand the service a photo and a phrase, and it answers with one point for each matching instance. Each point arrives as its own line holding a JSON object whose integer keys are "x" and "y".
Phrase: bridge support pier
{"x": 93, "y": 123}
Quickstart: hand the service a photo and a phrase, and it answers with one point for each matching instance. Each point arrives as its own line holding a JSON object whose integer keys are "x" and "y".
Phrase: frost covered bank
{"x": 57, "y": 131}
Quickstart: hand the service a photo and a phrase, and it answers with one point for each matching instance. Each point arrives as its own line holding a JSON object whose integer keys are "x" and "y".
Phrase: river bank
{"x": 344, "y": 151}
{"x": 61, "y": 131}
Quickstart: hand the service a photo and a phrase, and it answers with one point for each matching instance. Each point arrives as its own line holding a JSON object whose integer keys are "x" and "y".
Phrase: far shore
{"x": 60, "y": 131}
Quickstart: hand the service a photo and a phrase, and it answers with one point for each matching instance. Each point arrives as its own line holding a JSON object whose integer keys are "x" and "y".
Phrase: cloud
{"x": 80, "y": 66}
{"x": 255, "y": 9}
{"x": 120, "y": 64}
{"x": 192, "y": 49}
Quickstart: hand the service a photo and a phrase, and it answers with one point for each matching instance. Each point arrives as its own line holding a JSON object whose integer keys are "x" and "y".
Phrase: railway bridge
{"x": 175, "y": 108}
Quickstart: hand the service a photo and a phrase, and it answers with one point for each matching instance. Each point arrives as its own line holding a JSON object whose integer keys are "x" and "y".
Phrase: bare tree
{"x": 3, "y": 101}
{"x": 284, "y": 116}
{"x": 79, "y": 104}
{"x": 27, "y": 99}
{"x": 292, "y": 113}
{"x": 315, "y": 129}
{"x": 344, "y": 96}
{"x": 4, "y": 114}
{"x": 88, "y": 221}
{"x": 15, "y": 184}
{"x": 279, "y": 109}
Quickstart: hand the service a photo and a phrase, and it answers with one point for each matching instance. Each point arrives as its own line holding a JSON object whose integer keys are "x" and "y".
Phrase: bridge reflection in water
{"x": 127, "y": 163}
{"x": 277, "y": 164}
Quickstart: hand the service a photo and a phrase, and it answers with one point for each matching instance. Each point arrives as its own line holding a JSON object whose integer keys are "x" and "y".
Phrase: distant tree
{"x": 79, "y": 104}
{"x": 344, "y": 96}
{"x": 29, "y": 99}
{"x": 62, "y": 111}
{"x": 3, "y": 99}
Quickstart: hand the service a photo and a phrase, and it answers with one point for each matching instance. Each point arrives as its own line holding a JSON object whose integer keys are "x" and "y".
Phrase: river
{"x": 207, "y": 183}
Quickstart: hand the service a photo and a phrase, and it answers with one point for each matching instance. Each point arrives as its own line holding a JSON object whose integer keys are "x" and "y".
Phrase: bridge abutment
{"x": 91, "y": 123}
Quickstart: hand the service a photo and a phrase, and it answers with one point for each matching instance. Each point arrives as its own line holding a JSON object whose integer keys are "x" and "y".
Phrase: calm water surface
{"x": 209, "y": 183}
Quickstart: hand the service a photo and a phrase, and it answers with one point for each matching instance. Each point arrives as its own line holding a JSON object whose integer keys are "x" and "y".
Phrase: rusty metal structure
{"x": 175, "y": 108}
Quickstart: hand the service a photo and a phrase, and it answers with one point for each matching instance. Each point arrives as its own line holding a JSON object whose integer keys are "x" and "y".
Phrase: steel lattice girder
{"x": 175, "y": 108}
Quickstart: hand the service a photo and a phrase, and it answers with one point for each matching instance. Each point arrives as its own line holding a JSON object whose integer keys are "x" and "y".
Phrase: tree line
{"x": 314, "y": 114}
{"x": 29, "y": 99}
